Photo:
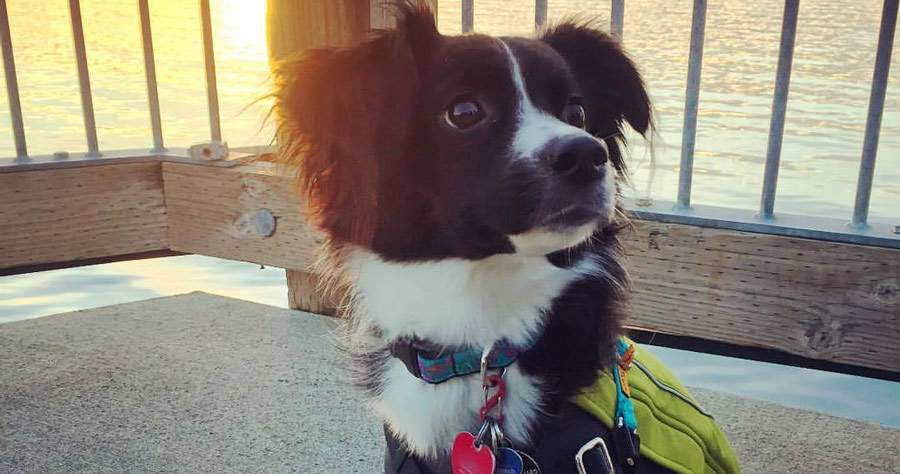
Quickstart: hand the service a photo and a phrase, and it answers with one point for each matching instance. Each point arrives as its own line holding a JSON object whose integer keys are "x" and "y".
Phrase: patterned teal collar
{"x": 435, "y": 364}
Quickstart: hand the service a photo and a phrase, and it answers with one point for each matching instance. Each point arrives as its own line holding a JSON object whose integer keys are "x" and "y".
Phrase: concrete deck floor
{"x": 200, "y": 383}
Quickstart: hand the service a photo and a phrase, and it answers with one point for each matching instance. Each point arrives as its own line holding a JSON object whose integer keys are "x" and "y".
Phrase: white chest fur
{"x": 455, "y": 302}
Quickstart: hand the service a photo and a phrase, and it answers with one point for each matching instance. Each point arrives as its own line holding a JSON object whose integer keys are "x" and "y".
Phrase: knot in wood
{"x": 887, "y": 292}
{"x": 251, "y": 188}
{"x": 653, "y": 238}
{"x": 824, "y": 333}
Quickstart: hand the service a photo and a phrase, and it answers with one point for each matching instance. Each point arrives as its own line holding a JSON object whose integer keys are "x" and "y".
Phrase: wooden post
{"x": 294, "y": 25}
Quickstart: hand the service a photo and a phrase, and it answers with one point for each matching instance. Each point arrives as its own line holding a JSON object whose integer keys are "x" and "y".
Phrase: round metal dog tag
{"x": 508, "y": 462}
{"x": 529, "y": 465}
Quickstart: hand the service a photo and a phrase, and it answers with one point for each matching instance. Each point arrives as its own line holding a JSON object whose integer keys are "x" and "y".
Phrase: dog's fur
{"x": 465, "y": 236}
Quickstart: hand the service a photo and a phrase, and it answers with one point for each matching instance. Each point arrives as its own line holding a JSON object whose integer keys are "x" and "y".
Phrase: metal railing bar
{"x": 80, "y": 160}
{"x": 691, "y": 102}
{"x": 468, "y": 15}
{"x": 540, "y": 14}
{"x": 210, "y": 67}
{"x": 236, "y": 157}
{"x": 150, "y": 70}
{"x": 84, "y": 80}
{"x": 12, "y": 86}
{"x": 876, "y": 108}
{"x": 779, "y": 107}
{"x": 617, "y": 18}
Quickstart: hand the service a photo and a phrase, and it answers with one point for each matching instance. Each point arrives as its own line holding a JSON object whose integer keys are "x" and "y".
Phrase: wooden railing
{"x": 829, "y": 305}
{"x": 799, "y": 300}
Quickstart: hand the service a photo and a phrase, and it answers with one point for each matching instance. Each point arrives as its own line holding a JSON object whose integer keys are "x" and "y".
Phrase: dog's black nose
{"x": 580, "y": 160}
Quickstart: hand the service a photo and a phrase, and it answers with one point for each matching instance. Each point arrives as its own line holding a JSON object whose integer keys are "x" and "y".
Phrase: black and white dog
{"x": 469, "y": 190}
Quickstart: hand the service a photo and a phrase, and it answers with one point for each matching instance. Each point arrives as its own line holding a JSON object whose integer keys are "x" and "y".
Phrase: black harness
{"x": 558, "y": 439}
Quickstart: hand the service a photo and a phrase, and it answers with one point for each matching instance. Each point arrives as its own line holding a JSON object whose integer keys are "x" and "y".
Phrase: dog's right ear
{"x": 342, "y": 111}
{"x": 608, "y": 77}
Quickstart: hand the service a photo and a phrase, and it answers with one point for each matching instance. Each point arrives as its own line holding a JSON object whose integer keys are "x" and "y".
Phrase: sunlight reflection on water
{"x": 829, "y": 90}
{"x": 829, "y": 93}
{"x": 39, "y": 294}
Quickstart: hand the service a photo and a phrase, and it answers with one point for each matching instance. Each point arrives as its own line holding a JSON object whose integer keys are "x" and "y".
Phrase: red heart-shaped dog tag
{"x": 470, "y": 459}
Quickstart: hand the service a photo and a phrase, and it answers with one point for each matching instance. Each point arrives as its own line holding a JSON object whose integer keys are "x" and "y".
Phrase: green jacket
{"x": 675, "y": 432}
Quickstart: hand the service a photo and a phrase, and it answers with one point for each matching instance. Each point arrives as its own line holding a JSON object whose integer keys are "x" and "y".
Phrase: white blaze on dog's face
{"x": 423, "y": 147}
{"x": 576, "y": 155}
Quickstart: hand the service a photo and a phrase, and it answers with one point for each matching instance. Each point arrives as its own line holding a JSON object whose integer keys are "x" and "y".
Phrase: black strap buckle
{"x": 589, "y": 452}
{"x": 406, "y": 351}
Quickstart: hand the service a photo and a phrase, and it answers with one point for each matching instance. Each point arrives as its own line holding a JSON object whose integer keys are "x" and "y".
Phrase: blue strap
{"x": 624, "y": 407}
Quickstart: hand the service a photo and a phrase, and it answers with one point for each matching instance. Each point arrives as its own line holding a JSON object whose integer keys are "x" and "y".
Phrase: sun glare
{"x": 242, "y": 25}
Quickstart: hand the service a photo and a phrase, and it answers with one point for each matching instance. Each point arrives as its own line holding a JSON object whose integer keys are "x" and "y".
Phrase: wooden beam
{"x": 125, "y": 257}
{"x": 838, "y": 303}
{"x": 213, "y": 211}
{"x": 382, "y": 16}
{"x": 295, "y": 25}
{"x": 306, "y": 291}
{"x": 66, "y": 216}
{"x": 821, "y": 300}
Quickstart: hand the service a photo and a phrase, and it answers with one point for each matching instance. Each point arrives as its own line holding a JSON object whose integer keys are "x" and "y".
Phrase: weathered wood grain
{"x": 306, "y": 291}
{"x": 821, "y": 300}
{"x": 383, "y": 17}
{"x": 211, "y": 211}
{"x": 294, "y": 25}
{"x": 76, "y": 214}
{"x": 827, "y": 301}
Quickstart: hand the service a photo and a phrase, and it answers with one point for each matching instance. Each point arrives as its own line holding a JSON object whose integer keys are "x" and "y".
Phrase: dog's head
{"x": 420, "y": 146}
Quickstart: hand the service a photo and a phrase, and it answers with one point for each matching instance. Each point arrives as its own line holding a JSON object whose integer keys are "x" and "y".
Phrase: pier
{"x": 204, "y": 383}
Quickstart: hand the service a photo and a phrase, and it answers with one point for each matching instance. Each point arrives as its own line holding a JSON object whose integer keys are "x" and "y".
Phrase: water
{"x": 45, "y": 62}
{"x": 833, "y": 64}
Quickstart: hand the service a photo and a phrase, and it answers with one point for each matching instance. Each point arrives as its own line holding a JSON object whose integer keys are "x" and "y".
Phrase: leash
{"x": 625, "y": 436}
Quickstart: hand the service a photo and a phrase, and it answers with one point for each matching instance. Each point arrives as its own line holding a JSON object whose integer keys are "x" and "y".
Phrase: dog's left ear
{"x": 613, "y": 88}
{"x": 345, "y": 115}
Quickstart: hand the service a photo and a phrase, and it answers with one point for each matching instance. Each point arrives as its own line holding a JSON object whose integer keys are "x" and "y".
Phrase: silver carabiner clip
{"x": 596, "y": 443}
{"x": 482, "y": 431}
{"x": 483, "y": 372}
{"x": 485, "y": 363}
{"x": 497, "y": 438}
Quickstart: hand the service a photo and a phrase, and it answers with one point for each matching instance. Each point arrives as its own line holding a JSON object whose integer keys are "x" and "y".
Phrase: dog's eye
{"x": 573, "y": 115}
{"x": 463, "y": 113}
